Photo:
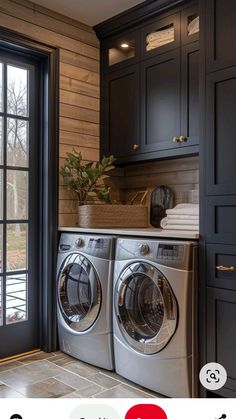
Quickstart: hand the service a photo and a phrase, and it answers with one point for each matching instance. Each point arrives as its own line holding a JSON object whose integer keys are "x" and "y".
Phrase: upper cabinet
{"x": 220, "y": 34}
{"x": 150, "y": 88}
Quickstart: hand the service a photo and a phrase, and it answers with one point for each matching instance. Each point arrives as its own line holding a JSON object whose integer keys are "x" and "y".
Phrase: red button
{"x": 145, "y": 411}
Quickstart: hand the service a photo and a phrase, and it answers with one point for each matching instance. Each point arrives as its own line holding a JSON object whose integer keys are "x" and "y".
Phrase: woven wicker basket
{"x": 114, "y": 216}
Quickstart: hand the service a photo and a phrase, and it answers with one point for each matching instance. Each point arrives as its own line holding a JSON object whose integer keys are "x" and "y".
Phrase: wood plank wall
{"x": 180, "y": 175}
{"x": 79, "y": 81}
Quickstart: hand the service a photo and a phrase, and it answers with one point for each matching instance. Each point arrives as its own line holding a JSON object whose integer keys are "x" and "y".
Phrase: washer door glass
{"x": 79, "y": 292}
{"x": 146, "y": 308}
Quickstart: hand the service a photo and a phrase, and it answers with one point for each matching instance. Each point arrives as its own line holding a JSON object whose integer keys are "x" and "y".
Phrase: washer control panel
{"x": 170, "y": 251}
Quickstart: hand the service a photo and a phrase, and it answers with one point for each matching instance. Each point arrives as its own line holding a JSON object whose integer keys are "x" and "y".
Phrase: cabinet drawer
{"x": 220, "y": 257}
{"x": 221, "y": 336}
{"x": 220, "y": 221}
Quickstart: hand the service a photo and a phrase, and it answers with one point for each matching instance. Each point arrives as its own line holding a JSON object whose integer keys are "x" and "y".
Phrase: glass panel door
{"x": 19, "y": 288}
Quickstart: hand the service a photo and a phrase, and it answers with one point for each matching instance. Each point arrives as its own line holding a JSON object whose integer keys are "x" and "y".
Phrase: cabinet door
{"x": 220, "y": 132}
{"x": 221, "y": 336}
{"x": 121, "y": 113}
{"x": 160, "y": 102}
{"x": 220, "y": 34}
{"x": 190, "y": 94}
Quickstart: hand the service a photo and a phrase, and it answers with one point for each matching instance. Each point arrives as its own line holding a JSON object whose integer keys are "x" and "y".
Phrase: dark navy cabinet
{"x": 221, "y": 336}
{"x": 160, "y": 102}
{"x": 220, "y": 132}
{"x": 121, "y": 115}
{"x": 150, "y": 86}
{"x": 218, "y": 185}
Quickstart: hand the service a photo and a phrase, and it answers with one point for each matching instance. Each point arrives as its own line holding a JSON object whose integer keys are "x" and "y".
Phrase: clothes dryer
{"x": 154, "y": 318}
{"x": 84, "y": 303}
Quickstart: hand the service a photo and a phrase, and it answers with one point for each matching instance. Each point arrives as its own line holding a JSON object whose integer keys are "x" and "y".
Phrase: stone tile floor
{"x": 58, "y": 375}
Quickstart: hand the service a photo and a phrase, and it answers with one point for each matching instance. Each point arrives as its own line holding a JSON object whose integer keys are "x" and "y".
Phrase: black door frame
{"x": 48, "y": 57}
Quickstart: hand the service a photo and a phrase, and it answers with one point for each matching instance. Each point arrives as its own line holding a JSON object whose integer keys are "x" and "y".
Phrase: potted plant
{"x": 86, "y": 180}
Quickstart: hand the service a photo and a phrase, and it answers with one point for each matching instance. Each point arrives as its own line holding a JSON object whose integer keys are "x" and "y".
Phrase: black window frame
{"x": 48, "y": 58}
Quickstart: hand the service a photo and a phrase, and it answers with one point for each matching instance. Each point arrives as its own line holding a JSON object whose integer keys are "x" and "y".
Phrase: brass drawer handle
{"x": 135, "y": 147}
{"x": 226, "y": 268}
{"x": 182, "y": 138}
{"x": 175, "y": 139}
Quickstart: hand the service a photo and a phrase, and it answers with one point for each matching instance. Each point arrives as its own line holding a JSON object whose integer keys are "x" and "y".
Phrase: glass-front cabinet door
{"x": 189, "y": 25}
{"x": 160, "y": 36}
{"x": 122, "y": 51}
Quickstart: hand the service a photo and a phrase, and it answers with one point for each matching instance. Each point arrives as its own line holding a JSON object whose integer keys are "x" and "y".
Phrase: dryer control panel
{"x": 170, "y": 251}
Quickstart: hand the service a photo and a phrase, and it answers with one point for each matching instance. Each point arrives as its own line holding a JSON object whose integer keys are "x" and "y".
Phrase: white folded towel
{"x": 182, "y": 221}
{"x": 166, "y": 226}
{"x": 193, "y": 26}
{"x": 184, "y": 209}
{"x": 182, "y": 217}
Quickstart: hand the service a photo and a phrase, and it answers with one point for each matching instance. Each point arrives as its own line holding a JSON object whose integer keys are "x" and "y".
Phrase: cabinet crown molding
{"x": 134, "y": 16}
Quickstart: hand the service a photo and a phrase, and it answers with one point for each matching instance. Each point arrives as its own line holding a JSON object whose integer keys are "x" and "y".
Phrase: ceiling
{"x": 90, "y": 12}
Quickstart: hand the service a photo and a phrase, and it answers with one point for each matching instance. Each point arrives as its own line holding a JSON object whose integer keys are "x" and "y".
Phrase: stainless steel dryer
{"x": 154, "y": 314}
{"x": 84, "y": 309}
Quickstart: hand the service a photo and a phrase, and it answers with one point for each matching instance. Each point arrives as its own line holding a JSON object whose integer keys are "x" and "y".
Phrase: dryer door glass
{"x": 79, "y": 293}
{"x": 146, "y": 308}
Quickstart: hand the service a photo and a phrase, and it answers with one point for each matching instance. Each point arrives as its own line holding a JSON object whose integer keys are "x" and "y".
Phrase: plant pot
{"x": 113, "y": 216}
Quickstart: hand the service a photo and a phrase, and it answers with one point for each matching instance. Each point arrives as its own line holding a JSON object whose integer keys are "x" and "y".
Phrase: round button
{"x": 145, "y": 411}
{"x": 144, "y": 249}
{"x": 79, "y": 242}
{"x": 213, "y": 376}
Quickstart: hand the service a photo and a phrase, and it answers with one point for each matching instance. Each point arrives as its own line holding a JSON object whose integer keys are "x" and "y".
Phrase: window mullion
{"x": 4, "y": 190}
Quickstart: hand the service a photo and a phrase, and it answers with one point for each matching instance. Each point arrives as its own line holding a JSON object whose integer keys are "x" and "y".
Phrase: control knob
{"x": 144, "y": 249}
{"x": 79, "y": 242}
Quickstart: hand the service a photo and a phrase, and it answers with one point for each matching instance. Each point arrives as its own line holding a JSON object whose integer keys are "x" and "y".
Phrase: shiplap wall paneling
{"x": 79, "y": 82}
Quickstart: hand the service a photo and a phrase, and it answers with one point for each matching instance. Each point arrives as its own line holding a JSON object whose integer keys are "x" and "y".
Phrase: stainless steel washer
{"x": 154, "y": 314}
{"x": 84, "y": 308}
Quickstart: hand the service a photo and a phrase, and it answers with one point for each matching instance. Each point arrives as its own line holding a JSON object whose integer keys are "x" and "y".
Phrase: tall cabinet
{"x": 219, "y": 184}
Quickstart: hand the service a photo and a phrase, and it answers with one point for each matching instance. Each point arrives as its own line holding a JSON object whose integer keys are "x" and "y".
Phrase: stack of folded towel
{"x": 193, "y": 26}
{"x": 182, "y": 217}
{"x": 159, "y": 38}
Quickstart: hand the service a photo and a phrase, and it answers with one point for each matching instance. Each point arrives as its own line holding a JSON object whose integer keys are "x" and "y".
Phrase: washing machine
{"x": 154, "y": 316}
{"x": 84, "y": 303}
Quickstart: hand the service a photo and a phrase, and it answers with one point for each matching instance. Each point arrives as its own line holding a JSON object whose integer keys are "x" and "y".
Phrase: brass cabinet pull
{"x": 182, "y": 138}
{"x": 226, "y": 268}
{"x": 175, "y": 139}
{"x": 135, "y": 147}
